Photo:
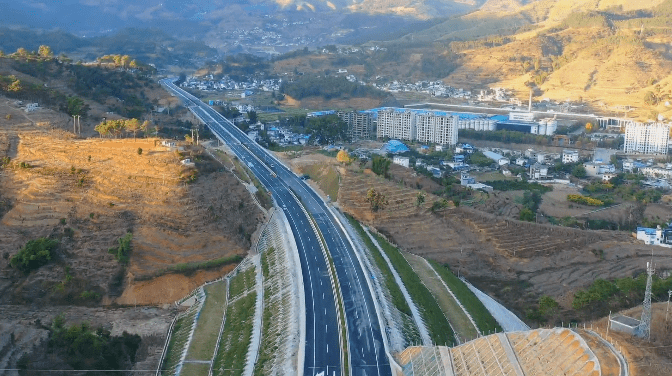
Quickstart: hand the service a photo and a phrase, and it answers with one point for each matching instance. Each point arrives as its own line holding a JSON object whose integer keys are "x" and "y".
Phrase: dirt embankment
{"x": 90, "y": 193}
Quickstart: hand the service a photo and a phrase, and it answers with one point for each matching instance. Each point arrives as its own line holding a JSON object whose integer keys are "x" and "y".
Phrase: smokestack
{"x": 529, "y": 106}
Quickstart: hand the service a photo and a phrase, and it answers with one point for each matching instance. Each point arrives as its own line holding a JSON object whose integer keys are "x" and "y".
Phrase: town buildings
{"x": 646, "y": 138}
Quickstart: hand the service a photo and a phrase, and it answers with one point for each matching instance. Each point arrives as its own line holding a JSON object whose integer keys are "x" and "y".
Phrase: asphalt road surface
{"x": 322, "y": 351}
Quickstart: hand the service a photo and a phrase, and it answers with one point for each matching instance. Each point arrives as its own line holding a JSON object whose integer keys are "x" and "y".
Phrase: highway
{"x": 366, "y": 350}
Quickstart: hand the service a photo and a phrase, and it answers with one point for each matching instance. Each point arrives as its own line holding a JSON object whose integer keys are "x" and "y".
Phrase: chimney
{"x": 529, "y": 106}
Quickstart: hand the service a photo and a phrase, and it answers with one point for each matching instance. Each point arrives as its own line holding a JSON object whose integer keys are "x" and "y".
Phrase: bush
{"x": 33, "y": 255}
{"x": 526, "y": 215}
{"x": 82, "y": 348}
{"x": 121, "y": 253}
{"x": 584, "y": 200}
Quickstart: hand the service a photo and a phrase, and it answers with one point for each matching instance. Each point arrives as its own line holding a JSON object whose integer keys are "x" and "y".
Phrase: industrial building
{"x": 646, "y": 138}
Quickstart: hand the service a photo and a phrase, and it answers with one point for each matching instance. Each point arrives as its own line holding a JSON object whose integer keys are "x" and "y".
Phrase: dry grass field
{"x": 89, "y": 193}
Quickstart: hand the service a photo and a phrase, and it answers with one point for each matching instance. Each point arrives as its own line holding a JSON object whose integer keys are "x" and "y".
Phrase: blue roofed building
{"x": 395, "y": 147}
{"x": 656, "y": 236}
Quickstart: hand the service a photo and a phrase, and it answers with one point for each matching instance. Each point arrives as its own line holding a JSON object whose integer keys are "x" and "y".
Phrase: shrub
{"x": 584, "y": 200}
{"x": 517, "y": 185}
{"x": 34, "y": 254}
{"x": 84, "y": 348}
{"x": 139, "y": 151}
{"x": 121, "y": 253}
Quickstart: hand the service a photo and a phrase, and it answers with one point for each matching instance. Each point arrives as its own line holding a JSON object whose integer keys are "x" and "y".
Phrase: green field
{"x": 235, "y": 340}
{"x": 203, "y": 343}
{"x": 484, "y": 320}
{"x": 195, "y": 369}
{"x": 242, "y": 282}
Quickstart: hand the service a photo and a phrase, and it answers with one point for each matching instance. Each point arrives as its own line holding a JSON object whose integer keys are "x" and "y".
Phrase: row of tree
{"x": 118, "y": 127}
{"x": 119, "y": 61}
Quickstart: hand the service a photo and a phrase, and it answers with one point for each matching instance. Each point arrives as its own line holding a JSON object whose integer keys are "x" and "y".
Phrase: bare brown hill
{"x": 89, "y": 193}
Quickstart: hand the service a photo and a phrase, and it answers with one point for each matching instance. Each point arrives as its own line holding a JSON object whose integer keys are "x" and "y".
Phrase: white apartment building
{"x": 396, "y": 124}
{"x": 570, "y": 156}
{"x": 649, "y": 138}
{"x": 360, "y": 125}
{"x": 437, "y": 129}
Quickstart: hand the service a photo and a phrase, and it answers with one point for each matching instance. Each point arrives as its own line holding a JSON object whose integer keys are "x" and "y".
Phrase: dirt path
{"x": 455, "y": 315}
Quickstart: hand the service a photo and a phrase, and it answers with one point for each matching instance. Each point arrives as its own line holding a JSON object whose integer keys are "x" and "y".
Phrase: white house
{"x": 655, "y": 236}
{"x": 595, "y": 169}
{"x": 538, "y": 171}
{"x": 401, "y": 161}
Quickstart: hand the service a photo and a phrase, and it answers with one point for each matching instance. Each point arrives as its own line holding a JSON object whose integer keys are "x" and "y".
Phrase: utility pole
{"x": 669, "y": 294}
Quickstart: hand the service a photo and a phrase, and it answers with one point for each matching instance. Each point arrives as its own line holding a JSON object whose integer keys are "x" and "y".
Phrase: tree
{"x": 133, "y": 126}
{"x": 376, "y": 199}
{"x": 15, "y": 86}
{"x": 21, "y": 52}
{"x": 76, "y": 106}
{"x": 117, "y": 127}
{"x": 420, "y": 199}
{"x": 139, "y": 151}
{"x": 579, "y": 171}
{"x": 589, "y": 127}
{"x": 547, "y": 305}
{"x": 45, "y": 51}
{"x": 133, "y": 64}
{"x": 125, "y": 61}
{"x": 145, "y": 126}
{"x": 34, "y": 254}
{"x": 252, "y": 115}
{"x": 343, "y": 157}
{"x": 380, "y": 166}
{"x": 103, "y": 128}
{"x": 327, "y": 129}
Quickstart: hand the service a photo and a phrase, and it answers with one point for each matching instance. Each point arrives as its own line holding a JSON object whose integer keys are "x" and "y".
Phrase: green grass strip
{"x": 484, "y": 320}
{"x": 437, "y": 324}
{"x": 236, "y": 337}
{"x": 395, "y": 292}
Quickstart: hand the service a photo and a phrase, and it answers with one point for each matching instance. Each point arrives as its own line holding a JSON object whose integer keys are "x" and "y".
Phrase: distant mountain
{"x": 97, "y": 16}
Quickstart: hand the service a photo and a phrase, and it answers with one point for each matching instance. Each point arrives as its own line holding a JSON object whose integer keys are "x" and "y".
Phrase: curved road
{"x": 322, "y": 351}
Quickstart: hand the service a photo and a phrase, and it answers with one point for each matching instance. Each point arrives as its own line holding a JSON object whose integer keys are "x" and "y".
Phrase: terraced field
{"x": 491, "y": 249}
